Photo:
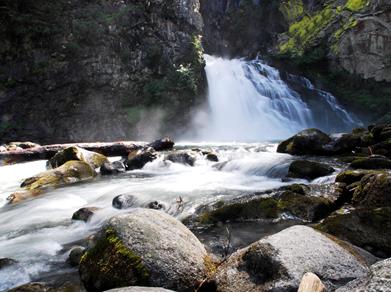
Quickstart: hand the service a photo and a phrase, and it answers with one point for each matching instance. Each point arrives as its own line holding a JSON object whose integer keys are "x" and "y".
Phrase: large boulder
{"x": 379, "y": 280}
{"x": 278, "y": 262}
{"x": 307, "y": 142}
{"x": 75, "y": 153}
{"x": 372, "y": 163}
{"x": 374, "y": 190}
{"x": 291, "y": 200}
{"x": 348, "y": 143}
{"x": 368, "y": 228}
{"x": 70, "y": 172}
{"x": 144, "y": 248}
{"x": 308, "y": 170}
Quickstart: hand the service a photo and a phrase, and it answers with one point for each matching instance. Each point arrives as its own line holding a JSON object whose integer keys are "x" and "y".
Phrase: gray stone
{"x": 144, "y": 248}
{"x": 278, "y": 262}
{"x": 75, "y": 255}
{"x": 124, "y": 201}
{"x": 379, "y": 280}
{"x": 112, "y": 168}
{"x": 139, "y": 289}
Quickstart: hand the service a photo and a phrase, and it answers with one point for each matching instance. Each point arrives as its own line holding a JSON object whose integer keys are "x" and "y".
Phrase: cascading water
{"x": 249, "y": 101}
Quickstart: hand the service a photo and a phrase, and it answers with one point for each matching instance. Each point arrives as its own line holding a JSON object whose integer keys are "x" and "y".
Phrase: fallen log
{"x": 45, "y": 152}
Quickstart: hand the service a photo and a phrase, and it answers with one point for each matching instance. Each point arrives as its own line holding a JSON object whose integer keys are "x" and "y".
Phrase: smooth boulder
{"x": 278, "y": 262}
{"x": 162, "y": 144}
{"x": 379, "y": 279}
{"x": 70, "y": 172}
{"x": 181, "y": 158}
{"x": 124, "y": 201}
{"x": 75, "y": 255}
{"x": 84, "y": 214}
{"x": 75, "y": 153}
{"x": 308, "y": 170}
{"x": 138, "y": 159}
{"x": 113, "y": 168}
{"x": 144, "y": 248}
{"x": 307, "y": 142}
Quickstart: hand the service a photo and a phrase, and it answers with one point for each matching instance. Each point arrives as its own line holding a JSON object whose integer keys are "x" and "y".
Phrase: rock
{"x": 371, "y": 163}
{"x": 350, "y": 176}
{"x": 70, "y": 172}
{"x": 381, "y": 132}
{"x": 33, "y": 287}
{"x": 212, "y": 157}
{"x": 311, "y": 283}
{"x": 144, "y": 248}
{"x": 84, "y": 214}
{"x": 379, "y": 280}
{"x": 155, "y": 205}
{"x": 365, "y": 227}
{"x": 21, "y": 196}
{"x": 307, "y": 142}
{"x": 22, "y": 145}
{"x": 181, "y": 158}
{"x": 278, "y": 262}
{"x": 75, "y": 153}
{"x": 75, "y": 255}
{"x": 307, "y": 208}
{"x": 138, "y": 159}
{"x": 345, "y": 143}
{"x": 139, "y": 289}
{"x": 112, "y": 168}
{"x": 382, "y": 148}
{"x": 6, "y": 262}
{"x": 124, "y": 201}
{"x": 308, "y": 170}
{"x": 162, "y": 144}
{"x": 374, "y": 190}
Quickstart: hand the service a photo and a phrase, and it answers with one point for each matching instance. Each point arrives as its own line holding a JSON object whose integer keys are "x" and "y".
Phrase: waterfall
{"x": 249, "y": 101}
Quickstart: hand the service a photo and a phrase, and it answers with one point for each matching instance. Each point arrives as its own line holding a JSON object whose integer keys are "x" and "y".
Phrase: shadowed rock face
{"x": 73, "y": 71}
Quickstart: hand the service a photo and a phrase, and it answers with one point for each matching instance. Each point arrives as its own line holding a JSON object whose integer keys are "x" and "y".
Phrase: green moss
{"x": 356, "y": 5}
{"x": 113, "y": 264}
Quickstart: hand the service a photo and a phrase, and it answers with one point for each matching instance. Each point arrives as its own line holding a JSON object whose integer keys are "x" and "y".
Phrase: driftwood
{"x": 311, "y": 283}
{"x": 121, "y": 148}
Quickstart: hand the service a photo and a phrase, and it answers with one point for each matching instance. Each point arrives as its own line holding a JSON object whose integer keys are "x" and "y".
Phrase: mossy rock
{"x": 70, "y": 172}
{"x": 75, "y": 153}
{"x": 307, "y": 208}
{"x": 110, "y": 264}
{"x": 374, "y": 190}
{"x": 144, "y": 248}
{"x": 368, "y": 228}
{"x": 307, "y": 142}
{"x": 308, "y": 170}
{"x": 350, "y": 176}
{"x": 371, "y": 163}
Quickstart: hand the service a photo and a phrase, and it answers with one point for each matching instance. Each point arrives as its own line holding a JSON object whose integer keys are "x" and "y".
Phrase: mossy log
{"x": 121, "y": 148}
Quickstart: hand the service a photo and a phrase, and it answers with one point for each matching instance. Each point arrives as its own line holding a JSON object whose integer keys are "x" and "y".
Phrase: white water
{"x": 38, "y": 232}
{"x": 249, "y": 101}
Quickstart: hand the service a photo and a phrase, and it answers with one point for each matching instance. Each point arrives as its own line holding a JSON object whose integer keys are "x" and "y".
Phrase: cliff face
{"x": 87, "y": 70}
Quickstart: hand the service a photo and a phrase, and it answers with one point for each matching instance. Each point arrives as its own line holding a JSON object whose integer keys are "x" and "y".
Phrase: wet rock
{"x": 162, "y": 144}
{"x": 124, "y": 201}
{"x": 299, "y": 205}
{"x": 212, "y": 157}
{"x": 33, "y": 287}
{"x": 84, "y": 214}
{"x": 70, "y": 172}
{"x": 6, "y": 262}
{"x": 278, "y": 262}
{"x": 181, "y": 158}
{"x": 20, "y": 144}
{"x": 155, "y": 205}
{"x": 144, "y": 248}
{"x": 75, "y": 153}
{"x": 139, "y": 289}
{"x": 365, "y": 227}
{"x": 112, "y": 168}
{"x": 372, "y": 163}
{"x": 381, "y": 132}
{"x": 308, "y": 169}
{"x": 379, "y": 280}
{"x": 138, "y": 159}
{"x": 307, "y": 142}
{"x": 374, "y": 190}
{"x": 344, "y": 143}
{"x": 350, "y": 176}
{"x": 75, "y": 255}
{"x": 23, "y": 195}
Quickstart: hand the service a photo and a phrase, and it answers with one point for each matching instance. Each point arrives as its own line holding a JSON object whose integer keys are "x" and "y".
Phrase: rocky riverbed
{"x": 196, "y": 217}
